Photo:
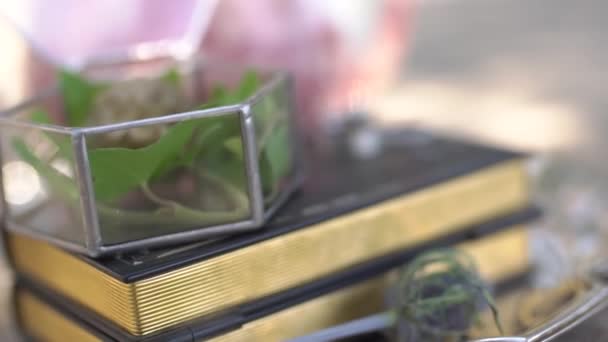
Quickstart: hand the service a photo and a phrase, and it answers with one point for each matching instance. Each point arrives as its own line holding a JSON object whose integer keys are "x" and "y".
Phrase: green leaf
{"x": 219, "y": 96}
{"x": 235, "y": 145}
{"x": 210, "y": 136}
{"x": 232, "y": 171}
{"x": 266, "y": 175}
{"x": 275, "y": 158}
{"x": 249, "y": 84}
{"x": 116, "y": 171}
{"x": 41, "y": 117}
{"x": 79, "y": 95}
{"x": 278, "y": 154}
{"x": 171, "y": 76}
{"x": 266, "y": 112}
{"x": 275, "y": 161}
{"x": 222, "y": 163}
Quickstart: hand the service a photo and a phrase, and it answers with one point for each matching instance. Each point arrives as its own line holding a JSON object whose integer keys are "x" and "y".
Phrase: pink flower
{"x": 340, "y": 52}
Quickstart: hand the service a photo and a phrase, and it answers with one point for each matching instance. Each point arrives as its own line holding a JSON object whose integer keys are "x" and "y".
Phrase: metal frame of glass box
{"x": 93, "y": 243}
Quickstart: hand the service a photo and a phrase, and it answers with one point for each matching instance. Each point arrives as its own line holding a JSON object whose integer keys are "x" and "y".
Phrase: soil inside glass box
{"x": 162, "y": 177}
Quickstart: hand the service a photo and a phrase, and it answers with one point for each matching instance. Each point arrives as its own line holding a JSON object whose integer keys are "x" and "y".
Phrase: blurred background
{"x": 521, "y": 74}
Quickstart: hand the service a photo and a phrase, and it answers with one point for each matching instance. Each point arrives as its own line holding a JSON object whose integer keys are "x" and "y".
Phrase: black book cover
{"x": 333, "y": 186}
{"x": 234, "y": 318}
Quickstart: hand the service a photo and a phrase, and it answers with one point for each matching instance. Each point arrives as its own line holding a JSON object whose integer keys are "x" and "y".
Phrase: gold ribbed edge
{"x": 41, "y": 321}
{"x": 326, "y": 311}
{"x": 500, "y": 257}
{"x": 265, "y": 268}
{"x": 75, "y": 279}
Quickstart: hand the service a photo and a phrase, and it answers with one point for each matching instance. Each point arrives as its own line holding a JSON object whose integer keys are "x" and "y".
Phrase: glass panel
{"x": 526, "y": 307}
{"x": 271, "y": 116}
{"x": 40, "y": 189}
{"x": 160, "y": 179}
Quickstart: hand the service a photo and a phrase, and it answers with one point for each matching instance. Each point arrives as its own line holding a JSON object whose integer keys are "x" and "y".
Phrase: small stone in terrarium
{"x": 134, "y": 100}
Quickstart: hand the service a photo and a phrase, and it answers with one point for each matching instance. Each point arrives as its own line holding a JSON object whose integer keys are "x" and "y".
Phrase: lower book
{"x": 419, "y": 190}
{"x": 502, "y": 257}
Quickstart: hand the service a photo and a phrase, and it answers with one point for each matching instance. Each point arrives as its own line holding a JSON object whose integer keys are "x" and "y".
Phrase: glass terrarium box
{"x": 137, "y": 155}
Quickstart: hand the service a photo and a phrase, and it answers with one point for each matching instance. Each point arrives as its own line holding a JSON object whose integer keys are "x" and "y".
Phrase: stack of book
{"x": 325, "y": 258}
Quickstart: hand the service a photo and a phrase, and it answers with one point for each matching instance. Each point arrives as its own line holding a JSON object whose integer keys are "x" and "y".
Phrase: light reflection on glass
{"x": 63, "y": 166}
{"x": 22, "y": 185}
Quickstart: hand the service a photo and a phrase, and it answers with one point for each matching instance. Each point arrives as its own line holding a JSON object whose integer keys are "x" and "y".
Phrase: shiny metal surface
{"x": 589, "y": 305}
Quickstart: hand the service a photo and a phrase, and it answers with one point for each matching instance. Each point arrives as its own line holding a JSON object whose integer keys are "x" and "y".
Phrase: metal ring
{"x": 578, "y": 312}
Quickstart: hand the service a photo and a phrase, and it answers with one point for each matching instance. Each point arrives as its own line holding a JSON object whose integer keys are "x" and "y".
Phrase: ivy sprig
{"x": 211, "y": 148}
